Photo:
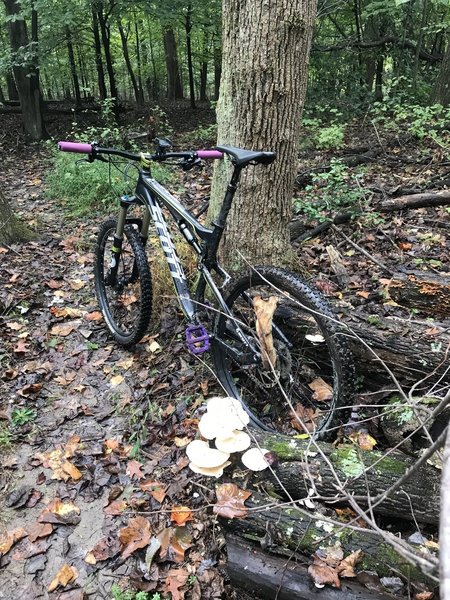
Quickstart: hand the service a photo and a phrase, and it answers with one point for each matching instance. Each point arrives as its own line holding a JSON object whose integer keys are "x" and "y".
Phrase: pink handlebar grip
{"x": 211, "y": 154}
{"x": 75, "y": 147}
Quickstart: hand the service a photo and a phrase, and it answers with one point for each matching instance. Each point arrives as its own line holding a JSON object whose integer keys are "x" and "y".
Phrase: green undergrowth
{"x": 119, "y": 594}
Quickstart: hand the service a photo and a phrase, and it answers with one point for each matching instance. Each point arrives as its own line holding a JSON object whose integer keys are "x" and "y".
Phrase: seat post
{"x": 228, "y": 199}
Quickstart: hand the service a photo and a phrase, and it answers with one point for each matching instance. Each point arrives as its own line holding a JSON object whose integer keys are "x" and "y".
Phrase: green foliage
{"x": 5, "y": 437}
{"x": 22, "y": 416}
{"x": 332, "y": 191}
{"x": 331, "y": 138}
{"x": 323, "y": 130}
{"x": 119, "y": 594}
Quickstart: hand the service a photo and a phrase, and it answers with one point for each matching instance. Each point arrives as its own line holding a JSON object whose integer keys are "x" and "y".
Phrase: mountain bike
{"x": 306, "y": 374}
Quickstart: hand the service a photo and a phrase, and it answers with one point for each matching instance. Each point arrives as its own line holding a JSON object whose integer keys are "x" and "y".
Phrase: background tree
{"x": 264, "y": 72}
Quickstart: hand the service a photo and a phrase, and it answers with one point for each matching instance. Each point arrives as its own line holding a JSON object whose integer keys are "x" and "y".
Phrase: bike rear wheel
{"x": 126, "y": 299}
{"x": 312, "y": 378}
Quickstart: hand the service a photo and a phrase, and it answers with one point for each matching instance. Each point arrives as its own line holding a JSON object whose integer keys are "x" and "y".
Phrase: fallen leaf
{"x": 181, "y": 514}
{"x": 264, "y": 311}
{"x": 76, "y": 284}
{"x": 116, "y": 380}
{"x": 134, "y": 469}
{"x": 21, "y": 347}
{"x": 181, "y": 442}
{"x": 53, "y": 284}
{"x": 66, "y": 312}
{"x": 9, "y": 538}
{"x": 175, "y": 579}
{"x": 62, "y": 330}
{"x": 306, "y": 415}
{"x": 93, "y": 316}
{"x": 346, "y": 566}
{"x": 322, "y": 574}
{"x": 156, "y": 489}
{"x": 105, "y": 548}
{"x": 58, "y": 463}
{"x": 30, "y": 389}
{"x": 322, "y": 390}
{"x": 426, "y": 595}
{"x": 230, "y": 501}
{"x": 135, "y": 536}
{"x": 15, "y": 326}
{"x": 364, "y": 440}
{"x": 65, "y": 575}
{"x": 125, "y": 363}
{"x": 116, "y": 507}
{"x": 60, "y": 513}
{"x": 39, "y": 530}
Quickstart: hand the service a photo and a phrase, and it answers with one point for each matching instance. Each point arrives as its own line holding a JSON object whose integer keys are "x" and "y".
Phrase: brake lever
{"x": 190, "y": 163}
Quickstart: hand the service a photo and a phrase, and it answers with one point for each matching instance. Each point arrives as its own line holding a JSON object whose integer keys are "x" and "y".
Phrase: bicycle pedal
{"x": 197, "y": 339}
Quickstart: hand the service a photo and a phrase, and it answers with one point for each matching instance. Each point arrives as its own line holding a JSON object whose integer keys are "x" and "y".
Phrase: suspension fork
{"x": 116, "y": 250}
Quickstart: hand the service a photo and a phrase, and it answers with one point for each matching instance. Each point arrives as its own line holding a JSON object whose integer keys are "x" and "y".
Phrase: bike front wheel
{"x": 307, "y": 384}
{"x": 124, "y": 293}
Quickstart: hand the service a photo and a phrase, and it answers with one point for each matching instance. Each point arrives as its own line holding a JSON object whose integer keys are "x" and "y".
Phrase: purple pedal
{"x": 197, "y": 339}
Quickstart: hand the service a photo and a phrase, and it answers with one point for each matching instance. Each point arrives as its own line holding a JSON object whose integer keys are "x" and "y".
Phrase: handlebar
{"x": 95, "y": 151}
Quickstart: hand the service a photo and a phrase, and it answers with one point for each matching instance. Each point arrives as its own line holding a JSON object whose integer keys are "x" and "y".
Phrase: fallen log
{"x": 412, "y": 350}
{"x": 424, "y": 291}
{"x": 304, "y": 465}
{"x": 270, "y": 576}
{"x": 411, "y": 201}
{"x": 286, "y": 529}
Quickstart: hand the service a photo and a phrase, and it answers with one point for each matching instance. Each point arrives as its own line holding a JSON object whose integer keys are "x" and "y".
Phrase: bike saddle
{"x": 241, "y": 157}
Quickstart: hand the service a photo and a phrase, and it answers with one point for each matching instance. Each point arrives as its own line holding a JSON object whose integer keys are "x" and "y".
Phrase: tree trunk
{"x": 98, "y": 55}
{"x": 26, "y": 74}
{"x": 444, "y": 531}
{"x": 105, "y": 33}
{"x": 138, "y": 61}
{"x": 188, "y": 29}
{"x": 174, "y": 87}
{"x": 203, "y": 81}
{"x": 73, "y": 67}
{"x": 11, "y": 229}
{"x": 13, "y": 94}
{"x": 153, "y": 90}
{"x": 379, "y": 79}
{"x": 441, "y": 91}
{"x": 217, "y": 70}
{"x": 126, "y": 56}
{"x": 265, "y": 60}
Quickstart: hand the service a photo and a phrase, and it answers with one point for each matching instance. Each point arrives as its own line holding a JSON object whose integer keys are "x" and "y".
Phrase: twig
{"x": 352, "y": 243}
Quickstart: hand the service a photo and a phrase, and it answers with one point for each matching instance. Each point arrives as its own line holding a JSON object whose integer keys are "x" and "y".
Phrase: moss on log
{"x": 304, "y": 465}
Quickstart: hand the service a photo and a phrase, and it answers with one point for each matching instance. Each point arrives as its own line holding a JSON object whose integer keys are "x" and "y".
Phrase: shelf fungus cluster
{"x": 223, "y": 422}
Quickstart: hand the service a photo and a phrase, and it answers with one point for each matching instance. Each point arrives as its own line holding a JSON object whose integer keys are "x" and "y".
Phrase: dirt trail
{"x": 68, "y": 394}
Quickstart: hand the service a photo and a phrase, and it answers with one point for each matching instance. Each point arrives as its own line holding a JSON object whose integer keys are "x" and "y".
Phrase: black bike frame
{"x": 204, "y": 241}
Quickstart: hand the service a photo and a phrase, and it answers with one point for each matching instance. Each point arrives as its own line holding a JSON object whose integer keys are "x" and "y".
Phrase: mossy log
{"x": 269, "y": 576}
{"x": 284, "y": 530}
{"x": 423, "y": 291}
{"x": 412, "y": 350}
{"x": 304, "y": 465}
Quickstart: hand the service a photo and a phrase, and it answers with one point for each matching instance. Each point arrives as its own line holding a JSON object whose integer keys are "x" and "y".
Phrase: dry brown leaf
{"x": 66, "y": 312}
{"x": 125, "y": 363}
{"x": 307, "y": 415}
{"x": 93, "y": 316}
{"x": 181, "y": 514}
{"x": 116, "y": 507}
{"x": 364, "y": 440}
{"x": 62, "y": 330}
{"x": 230, "y": 501}
{"x": 156, "y": 489}
{"x": 135, "y": 536}
{"x": 58, "y": 463}
{"x": 15, "y": 326}
{"x": 65, "y": 575}
{"x": 39, "y": 530}
{"x": 9, "y": 538}
{"x": 30, "y": 389}
{"x": 53, "y": 284}
{"x": 58, "y": 512}
{"x": 116, "y": 380}
{"x": 346, "y": 566}
{"x": 105, "y": 548}
{"x": 322, "y": 391}
{"x": 426, "y": 595}
{"x": 76, "y": 284}
{"x": 264, "y": 311}
{"x": 134, "y": 469}
{"x": 322, "y": 574}
{"x": 175, "y": 579}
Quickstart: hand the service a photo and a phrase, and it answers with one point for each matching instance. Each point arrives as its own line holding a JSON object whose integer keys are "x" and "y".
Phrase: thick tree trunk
{"x": 441, "y": 91}
{"x": 105, "y": 34}
{"x": 11, "y": 229}
{"x": 26, "y": 74}
{"x": 174, "y": 86}
{"x": 265, "y": 59}
{"x": 13, "y": 94}
{"x": 217, "y": 70}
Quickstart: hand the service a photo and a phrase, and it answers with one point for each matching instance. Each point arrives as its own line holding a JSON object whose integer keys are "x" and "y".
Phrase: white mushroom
{"x": 211, "y": 472}
{"x": 229, "y": 409}
{"x": 254, "y": 459}
{"x": 202, "y": 455}
{"x": 212, "y": 425}
{"x": 238, "y": 441}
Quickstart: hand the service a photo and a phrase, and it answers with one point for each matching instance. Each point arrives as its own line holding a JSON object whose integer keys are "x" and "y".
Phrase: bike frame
{"x": 204, "y": 241}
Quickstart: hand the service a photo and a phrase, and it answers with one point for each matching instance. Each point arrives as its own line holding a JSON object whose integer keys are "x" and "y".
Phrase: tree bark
{"x": 174, "y": 86}
{"x": 138, "y": 62}
{"x": 441, "y": 91}
{"x": 126, "y": 56}
{"x": 444, "y": 530}
{"x": 285, "y": 529}
{"x": 188, "y": 29}
{"x": 73, "y": 67}
{"x": 98, "y": 54}
{"x": 304, "y": 465}
{"x": 264, "y": 71}
{"x": 26, "y": 74}
{"x": 11, "y": 229}
{"x": 423, "y": 291}
{"x": 105, "y": 35}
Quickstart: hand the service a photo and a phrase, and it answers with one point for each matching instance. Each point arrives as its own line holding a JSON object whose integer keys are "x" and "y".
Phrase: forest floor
{"x": 92, "y": 436}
